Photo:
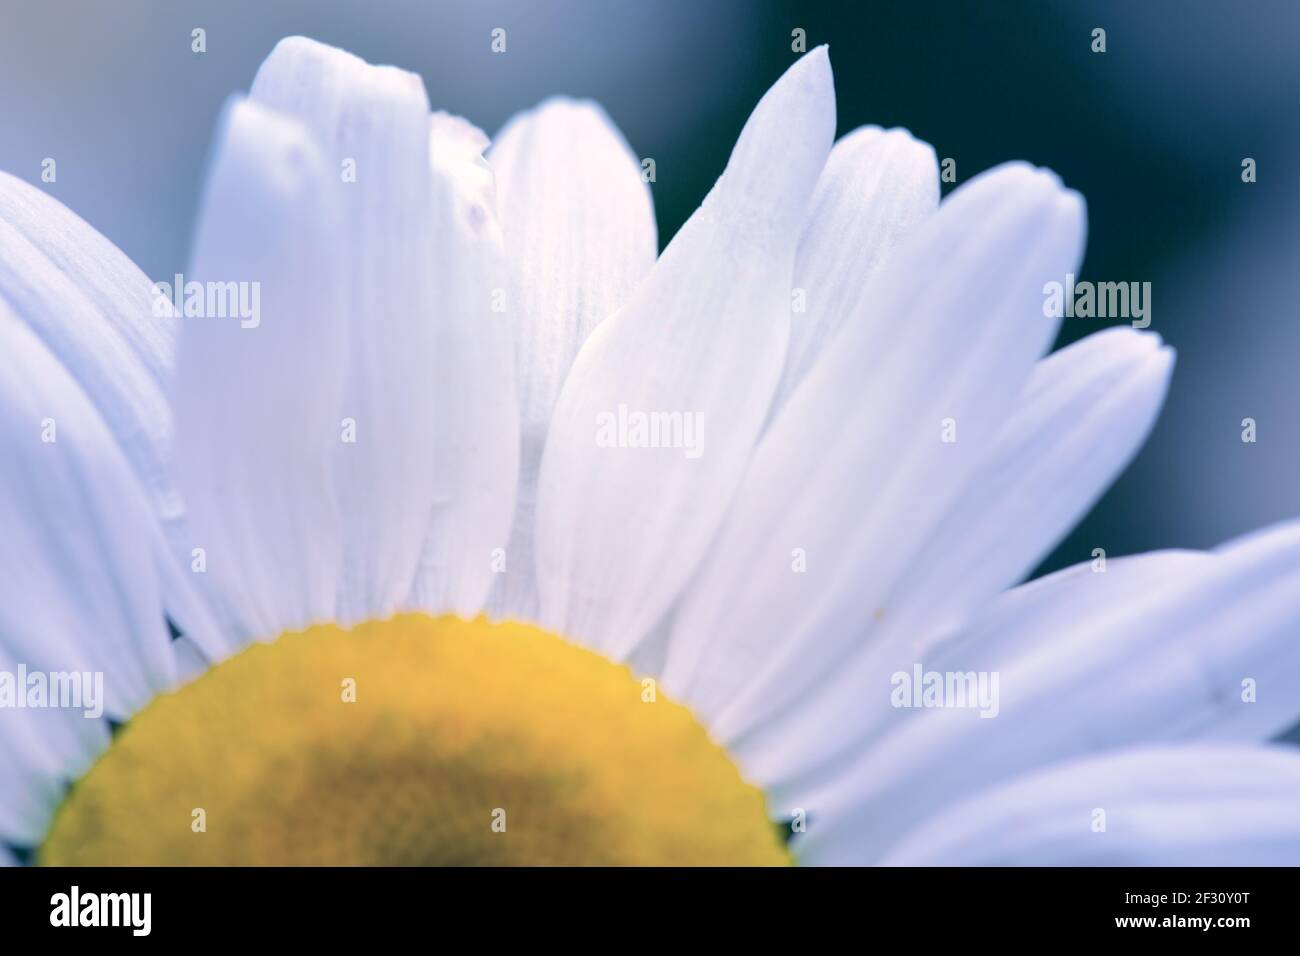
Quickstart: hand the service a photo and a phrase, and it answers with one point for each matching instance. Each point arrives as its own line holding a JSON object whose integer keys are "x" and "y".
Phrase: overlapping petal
{"x": 622, "y": 524}
{"x": 1083, "y": 414}
{"x": 1207, "y": 653}
{"x": 1173, "y": 806}
{"x": 371, "y": 125}
{"x": 873, "y": 447}
{"x": 878, "y": 185}
{"x": 579, "y": 230}
{"x": 477, "y": 418}
{"x": 260, "y": 376}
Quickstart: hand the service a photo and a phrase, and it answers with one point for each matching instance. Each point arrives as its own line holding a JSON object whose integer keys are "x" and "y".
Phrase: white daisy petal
{"x": 579, "y": 229}
{"x": 37, "y": 772}
{"x": 78, "y": 539}
{"x": 477, "y": 413}
{"x": 793, "y": 755}
{"x": 372, "y": 127}
{"x": 260, "y": 384}
{"x": 96, "y": 313}
{"x": 93, "y": 309}
{"x": 620, "y": 529}
{"x": 1020, "y": 620}
{"x": 1160, "y": 591}
{"x": 1269, "y": 660}
{"x": 877, "y": 185}
{"x": 1174, "y": 806}
{"x": 1081, "y": 417}
{"x": 855, "y": 472}
{"x": 1208, "y": 653}
{"x": 43, "y": 751}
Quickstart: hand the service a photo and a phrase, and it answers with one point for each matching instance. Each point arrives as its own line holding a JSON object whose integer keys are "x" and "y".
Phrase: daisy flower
{"x": 486, "y": 536}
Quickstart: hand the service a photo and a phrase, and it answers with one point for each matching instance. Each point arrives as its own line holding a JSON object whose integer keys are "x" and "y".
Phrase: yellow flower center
{"x": 414, "y": 741}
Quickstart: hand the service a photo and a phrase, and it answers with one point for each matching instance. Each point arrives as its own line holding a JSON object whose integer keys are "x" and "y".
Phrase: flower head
{"x": 362, "y": 523}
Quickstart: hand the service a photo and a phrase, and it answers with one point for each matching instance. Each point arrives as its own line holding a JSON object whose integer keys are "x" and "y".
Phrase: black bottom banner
{"x": 333, "y": 905}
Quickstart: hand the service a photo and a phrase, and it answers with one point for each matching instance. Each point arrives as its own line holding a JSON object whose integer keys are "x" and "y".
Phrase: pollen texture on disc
{"x": 414, "y": 741}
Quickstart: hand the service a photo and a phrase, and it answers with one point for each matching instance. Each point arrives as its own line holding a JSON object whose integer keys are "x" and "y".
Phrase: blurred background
{"x": 1152, "y": 132}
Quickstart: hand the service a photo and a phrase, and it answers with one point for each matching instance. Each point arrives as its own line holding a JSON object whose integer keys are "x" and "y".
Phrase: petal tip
{"x": 299, "y": 62}
{"x": 812, "y": 69}
{"x": 302, "y": 49}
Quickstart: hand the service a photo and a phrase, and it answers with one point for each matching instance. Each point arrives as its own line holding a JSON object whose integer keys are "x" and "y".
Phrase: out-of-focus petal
{"x": 1176, "y": 806}
{"x": 1209, "y": 653}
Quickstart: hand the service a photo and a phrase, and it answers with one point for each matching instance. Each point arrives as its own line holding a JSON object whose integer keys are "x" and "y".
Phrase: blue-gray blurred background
{"x": 1152, "y": 132}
